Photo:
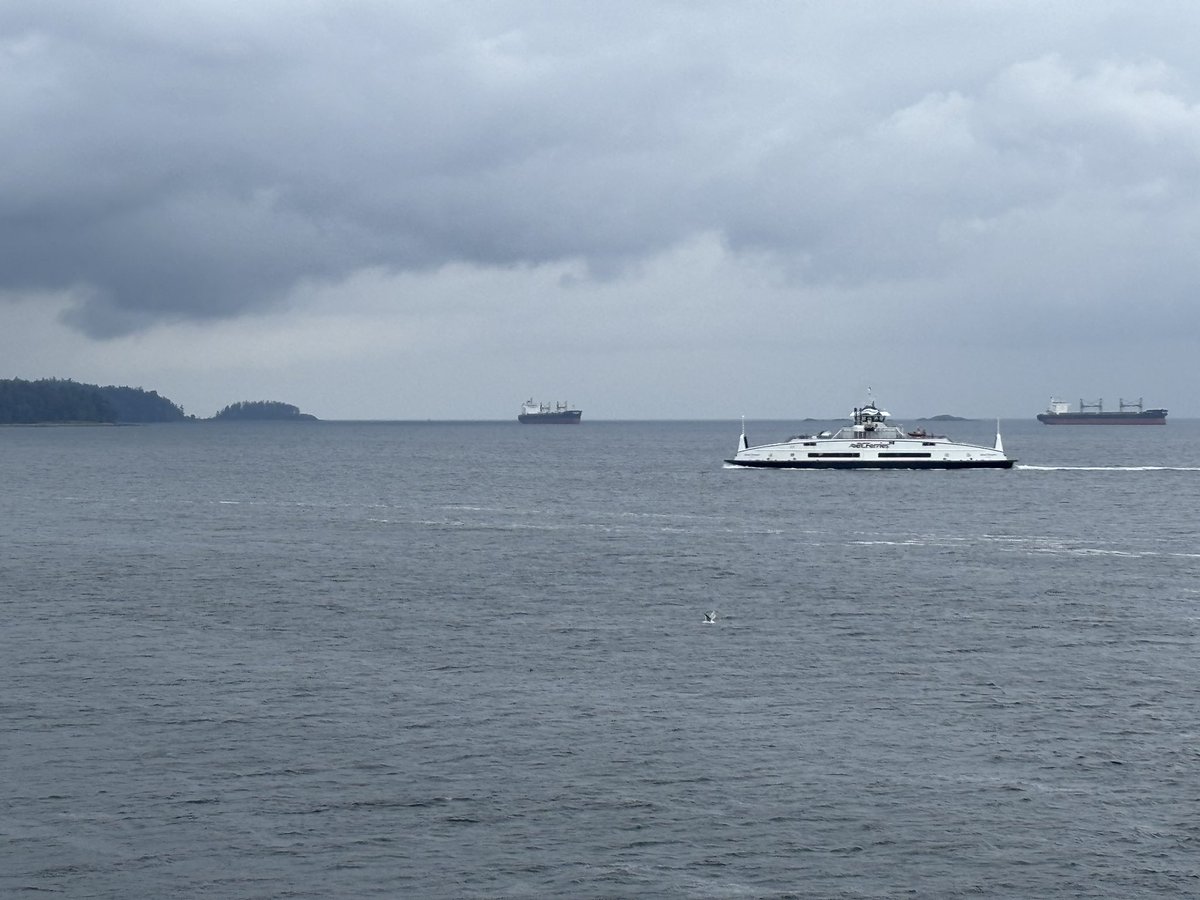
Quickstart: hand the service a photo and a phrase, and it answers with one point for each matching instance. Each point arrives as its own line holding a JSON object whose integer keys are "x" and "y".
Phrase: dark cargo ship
{"x": 543, "y": 414}
{"x": 1060, "y": 413}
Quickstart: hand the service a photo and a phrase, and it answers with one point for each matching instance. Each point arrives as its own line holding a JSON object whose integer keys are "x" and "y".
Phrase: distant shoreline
{"x": 80, "y": 424}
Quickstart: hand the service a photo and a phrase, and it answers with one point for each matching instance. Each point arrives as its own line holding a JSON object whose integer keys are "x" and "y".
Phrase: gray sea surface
{"x": 470, "y": 660}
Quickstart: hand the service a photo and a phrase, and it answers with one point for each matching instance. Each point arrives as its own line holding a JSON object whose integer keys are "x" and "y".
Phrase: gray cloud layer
{"x": 200, "y": 160}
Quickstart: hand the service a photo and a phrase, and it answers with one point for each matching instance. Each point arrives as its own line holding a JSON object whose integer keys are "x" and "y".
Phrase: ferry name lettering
{"x": 872, "y": 445}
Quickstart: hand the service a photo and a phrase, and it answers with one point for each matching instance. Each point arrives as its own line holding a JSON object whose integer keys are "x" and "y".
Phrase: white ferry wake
{"x": 1111, "y": 468}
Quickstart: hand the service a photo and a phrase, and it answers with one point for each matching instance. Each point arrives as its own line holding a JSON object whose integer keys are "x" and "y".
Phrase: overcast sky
{"x": 395, "y": 210}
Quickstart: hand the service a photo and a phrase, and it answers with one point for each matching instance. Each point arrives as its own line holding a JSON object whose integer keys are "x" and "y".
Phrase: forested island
{"x": 63, "y": 401}
{"x": 263, "y": 410}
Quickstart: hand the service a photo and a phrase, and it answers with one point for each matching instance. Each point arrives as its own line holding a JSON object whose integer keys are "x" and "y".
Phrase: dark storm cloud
{"x": 200, "y": 160}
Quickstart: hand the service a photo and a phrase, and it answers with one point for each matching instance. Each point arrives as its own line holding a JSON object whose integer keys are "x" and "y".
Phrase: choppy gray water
{"x": 469, "y": 660}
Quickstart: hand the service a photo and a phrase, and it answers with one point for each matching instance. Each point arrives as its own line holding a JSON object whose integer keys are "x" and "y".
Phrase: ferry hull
{"x": 872, "y": 464}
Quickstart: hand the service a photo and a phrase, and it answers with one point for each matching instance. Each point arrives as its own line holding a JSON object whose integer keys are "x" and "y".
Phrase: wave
{"x": 1034, "y": 544}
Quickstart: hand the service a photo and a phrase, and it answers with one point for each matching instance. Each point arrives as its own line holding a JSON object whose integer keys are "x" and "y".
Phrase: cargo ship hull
{"x": 568, "y": 417}
{"x": 1148, "y": 417}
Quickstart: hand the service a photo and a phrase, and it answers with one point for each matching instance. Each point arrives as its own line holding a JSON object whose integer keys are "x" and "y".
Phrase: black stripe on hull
{"x": 873, "y": 464}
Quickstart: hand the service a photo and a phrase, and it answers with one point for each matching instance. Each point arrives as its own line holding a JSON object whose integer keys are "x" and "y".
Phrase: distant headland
{"x": 56, "y": 401}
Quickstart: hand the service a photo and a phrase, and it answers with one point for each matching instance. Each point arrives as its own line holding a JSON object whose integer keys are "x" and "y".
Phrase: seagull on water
{"x": 710, "y": 617}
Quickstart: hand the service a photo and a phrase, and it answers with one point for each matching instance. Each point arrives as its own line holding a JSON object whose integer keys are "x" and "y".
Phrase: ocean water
{"x": 470, "y": 660}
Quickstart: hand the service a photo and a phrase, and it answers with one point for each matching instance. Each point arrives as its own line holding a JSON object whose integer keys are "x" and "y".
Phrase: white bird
{"x": 710, "y": 617}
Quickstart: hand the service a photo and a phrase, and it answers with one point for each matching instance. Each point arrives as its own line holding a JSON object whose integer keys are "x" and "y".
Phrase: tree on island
{"x": 262, "y": 410}
{"x": 52, "y": 400}
{"x": 63, "y": 400}
{"x": 137, "y": 405}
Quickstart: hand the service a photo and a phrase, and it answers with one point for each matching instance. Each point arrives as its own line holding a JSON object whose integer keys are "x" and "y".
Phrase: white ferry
{"x": 871, "y": 443}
